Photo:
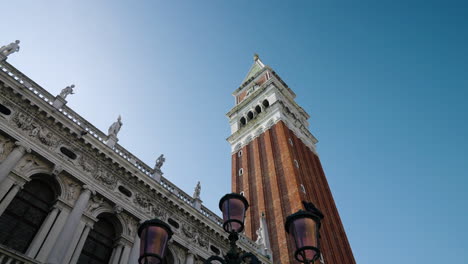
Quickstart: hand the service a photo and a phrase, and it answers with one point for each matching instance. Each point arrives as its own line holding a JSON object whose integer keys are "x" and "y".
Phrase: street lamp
{"x": 303, "y": 228}
{"x": 154, "y": 236}
{"x": 233, "y": 206}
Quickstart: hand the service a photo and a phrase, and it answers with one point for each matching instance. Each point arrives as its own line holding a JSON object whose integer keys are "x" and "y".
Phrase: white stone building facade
{"x": 70, "y": 194}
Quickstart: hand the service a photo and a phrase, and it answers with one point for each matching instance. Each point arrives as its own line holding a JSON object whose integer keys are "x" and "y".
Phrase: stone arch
{"x": 119, "y": 222}
{"x": 25, "y": 215}
{"x": 56, "y": 184}
{"x": 36, "y": 170}
{"x": 100, "y": 243}
{"x": 171, "y": 256}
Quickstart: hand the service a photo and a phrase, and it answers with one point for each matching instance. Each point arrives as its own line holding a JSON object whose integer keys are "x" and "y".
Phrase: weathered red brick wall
{"x": 272, "y": 184}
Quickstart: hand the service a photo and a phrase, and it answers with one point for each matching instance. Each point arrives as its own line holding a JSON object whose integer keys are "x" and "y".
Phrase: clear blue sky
{"x": 385, "y": 84}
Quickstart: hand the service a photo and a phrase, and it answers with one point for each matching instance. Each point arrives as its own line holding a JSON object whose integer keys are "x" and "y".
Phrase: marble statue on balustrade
{"x": 157, "y": 173}
{"x": 67, "y": 91}
{"x": 113, "y": 131}
{"x": 115, "y": 127}
{"x": 60, "y": 101}
{"x": 197, "y": 202}
{"x": 196, "y": 193}
{"x": 159, "y": 162}
{"x": 13, "y": 47}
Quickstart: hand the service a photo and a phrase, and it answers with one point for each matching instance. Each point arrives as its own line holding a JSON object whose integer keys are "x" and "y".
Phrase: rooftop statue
{"x": 115, "y": 127}
{"x": 10, "y": 48}
{"x": 159, "y": 162}
{"x": 196, "y": 194}
{"x": 66, "y": 91}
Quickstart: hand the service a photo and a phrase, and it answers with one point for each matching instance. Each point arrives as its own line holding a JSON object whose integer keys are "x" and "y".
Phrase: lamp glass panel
{"x": 303, "y": 231}
{"x": 153, "y": 241}
{"x": 233, "y": 209}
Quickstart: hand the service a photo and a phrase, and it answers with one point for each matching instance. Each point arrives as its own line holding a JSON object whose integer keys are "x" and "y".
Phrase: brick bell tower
{"x": 275, "y": 166}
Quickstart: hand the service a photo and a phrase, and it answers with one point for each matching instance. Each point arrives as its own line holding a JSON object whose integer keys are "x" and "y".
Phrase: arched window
{"x": 250, "y": 115}
{"x": 100, "y": 241}
{"x": 243, "y": 121}
{"x": 25, "y": 214}
{"x": 5, "y": 110}
{"x": 258, "y": 109}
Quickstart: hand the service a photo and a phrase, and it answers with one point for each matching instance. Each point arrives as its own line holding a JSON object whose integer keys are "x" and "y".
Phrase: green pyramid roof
{"x": 254, "y": 69}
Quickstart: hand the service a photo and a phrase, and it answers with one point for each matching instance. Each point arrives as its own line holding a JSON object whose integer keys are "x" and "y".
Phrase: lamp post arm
{"x": 217, "y": 258}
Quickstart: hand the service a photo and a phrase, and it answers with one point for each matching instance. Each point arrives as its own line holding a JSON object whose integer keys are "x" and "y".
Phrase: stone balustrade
{"x": 12, "y": 257}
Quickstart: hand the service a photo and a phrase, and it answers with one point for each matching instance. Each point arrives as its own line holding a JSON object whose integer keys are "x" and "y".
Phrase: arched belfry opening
{"x": 100, "y": 242}
{"x": 26, "y": 213}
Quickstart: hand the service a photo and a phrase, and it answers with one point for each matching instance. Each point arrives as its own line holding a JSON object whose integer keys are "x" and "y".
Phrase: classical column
{"x": 42, "y": 233}
{"x": 125, "y": 254}
{"x": 74, "y": 242}
{"x": 81, "y": 243}
{"x": 9, "y": 197}
{"x": 190, "y": 258}
{"x": 135, "y": 252}
{"x": 116, "y": 253}
{"x": 12, "y": 159}
{"x": 63, "y": 241}
{"x": 51, "y": 237}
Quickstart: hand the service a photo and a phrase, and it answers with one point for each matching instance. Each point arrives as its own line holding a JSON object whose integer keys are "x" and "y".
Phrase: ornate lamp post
{"x": 303, "y": 228}
{"x": 233, "y": 206}
{"x": 154, "y": 236}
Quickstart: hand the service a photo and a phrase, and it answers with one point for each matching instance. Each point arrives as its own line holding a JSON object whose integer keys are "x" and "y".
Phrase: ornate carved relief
{"x": 159, "y": 212}
{"x": 194, "y": 236}
{"x": 88, "y": 165}
{"x": 26, "y": 123}
{"x": 29, "y": 163}
{"x": 72, "y": 189}
{"x": 6, "y": 146}
{"x": 109, "y": 180}
{"x": 94, "y": 203}
{"x": 131, "y": 223}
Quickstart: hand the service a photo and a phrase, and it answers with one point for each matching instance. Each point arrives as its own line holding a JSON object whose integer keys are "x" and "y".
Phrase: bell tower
{"x": 275, "y": 165}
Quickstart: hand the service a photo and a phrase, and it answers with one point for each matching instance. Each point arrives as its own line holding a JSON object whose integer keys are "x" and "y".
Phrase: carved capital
{"x": 57, "y": 170}
{"x": 118, "y": 209}
{"x": 89, "y": 188}
{"x": 22, "y": 147}
{"x": 18, "y": 185}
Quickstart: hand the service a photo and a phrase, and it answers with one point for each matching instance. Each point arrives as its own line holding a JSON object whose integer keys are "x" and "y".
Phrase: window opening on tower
{"x": 243, "y": 121}
{"x": 258, "y": 109}
{"x": 250, "y": 115}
